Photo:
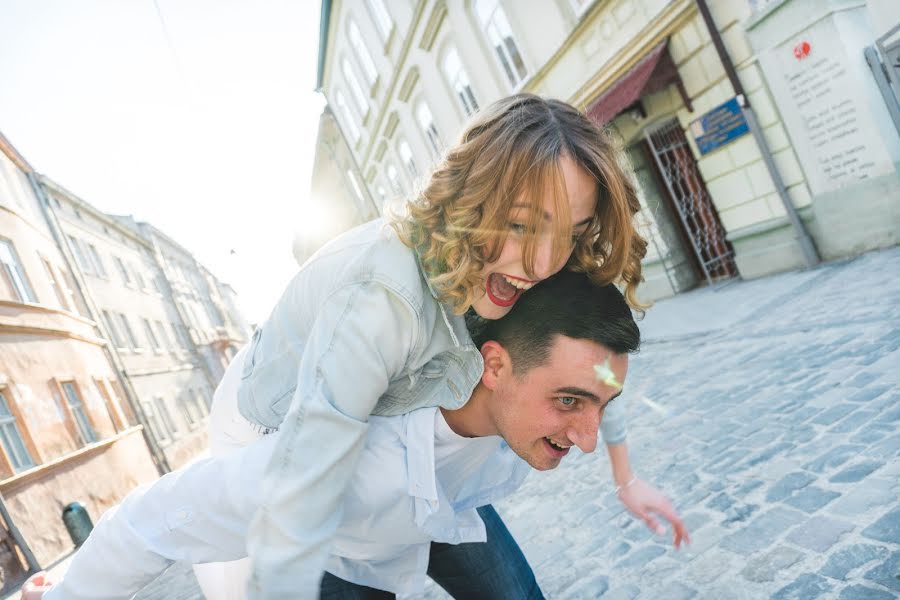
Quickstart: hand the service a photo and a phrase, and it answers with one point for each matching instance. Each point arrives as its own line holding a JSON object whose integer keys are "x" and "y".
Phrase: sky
{"x": 198, "y": 116}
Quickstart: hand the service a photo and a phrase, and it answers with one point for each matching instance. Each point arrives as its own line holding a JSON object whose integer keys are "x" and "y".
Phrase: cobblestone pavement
{"x": 779, "y": 444}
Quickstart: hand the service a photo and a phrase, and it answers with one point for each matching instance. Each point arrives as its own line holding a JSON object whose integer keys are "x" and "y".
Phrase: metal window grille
{"x": 678, "y": 169}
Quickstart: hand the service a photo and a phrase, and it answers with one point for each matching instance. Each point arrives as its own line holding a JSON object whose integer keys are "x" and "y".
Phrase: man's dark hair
{"x": 568, "y": 304}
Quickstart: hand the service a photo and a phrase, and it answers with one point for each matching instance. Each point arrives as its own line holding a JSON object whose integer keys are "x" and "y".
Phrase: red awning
{"x": 653, "y": 73}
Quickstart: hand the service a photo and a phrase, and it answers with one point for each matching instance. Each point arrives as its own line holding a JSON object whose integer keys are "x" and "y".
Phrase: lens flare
{"x": 606, "y": 375}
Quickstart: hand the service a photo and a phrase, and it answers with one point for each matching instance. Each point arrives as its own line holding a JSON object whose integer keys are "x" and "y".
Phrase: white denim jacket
{"x": 357, "y": 332}
{"x": 201, "y": 513}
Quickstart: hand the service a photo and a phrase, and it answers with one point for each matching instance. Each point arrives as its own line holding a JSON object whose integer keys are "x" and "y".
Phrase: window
{"x": 166, "y": 416}
{"x": 179, "y": 336}
{"x": 117, "y": 338}
{"x": 14, "y": 274}
{"x": 123, "y": 271}
{"x": 139, "y": 279}
{"x": 349, "y": 118}
{"x": 358, "y": 95}
{"x": 202, "y": 401}
{"x": 394, "y": 179}
{"x": 362, "y": 53}
{"x": 83, "y": 425}
{"x": 96, "y": 261}
{"x": 189, "y": 410}
{"x": 382, "y": 195}
{"x": 459, "y": 81}
{"x": 127, "y": 332}
{"x": 11, "y": 436}
{"x": 113, "y": 407}
{"x": 164, "y": 338}
{"x": 406, "y": 157}
{"x": 80, "y": 255}
{"x": 55, "y": 283}
{"x": 151, "y": 337}
{"x": 355, "y": 185}
{"x": 382, "y": 17}
{"x": 75, "y": 297}
{"x": 499, "y": 33}
{"x": 426, "y": 122}
{"x": 162, "y": 435}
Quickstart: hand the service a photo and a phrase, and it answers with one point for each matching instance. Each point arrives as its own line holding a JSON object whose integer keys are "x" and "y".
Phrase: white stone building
{"x": 748, "y": 131}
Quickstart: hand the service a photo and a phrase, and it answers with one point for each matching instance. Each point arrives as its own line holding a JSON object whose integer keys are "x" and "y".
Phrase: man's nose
{"x": 584, "y": 430}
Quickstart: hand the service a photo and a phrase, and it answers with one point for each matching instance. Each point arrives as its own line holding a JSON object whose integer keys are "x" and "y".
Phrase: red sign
{"x": 802, "y": 50}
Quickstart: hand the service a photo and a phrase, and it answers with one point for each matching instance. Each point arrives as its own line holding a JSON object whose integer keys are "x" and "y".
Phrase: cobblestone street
{"x": 774, "y": 425}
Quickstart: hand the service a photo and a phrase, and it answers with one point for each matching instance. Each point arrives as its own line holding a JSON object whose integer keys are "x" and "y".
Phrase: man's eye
{"x": 568, "y": 401}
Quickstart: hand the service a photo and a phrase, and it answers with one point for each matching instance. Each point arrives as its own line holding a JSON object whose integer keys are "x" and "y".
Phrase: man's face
{"x": 543, "y": 412}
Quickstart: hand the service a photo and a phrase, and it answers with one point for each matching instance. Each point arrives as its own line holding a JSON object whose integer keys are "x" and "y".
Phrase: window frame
{"x": 459, "y": 81}
{"x": 10, "y": 422}
{"x": 15, "y": 273}
{"x": 491, "y": 24}
{"x": 80, "y": 417}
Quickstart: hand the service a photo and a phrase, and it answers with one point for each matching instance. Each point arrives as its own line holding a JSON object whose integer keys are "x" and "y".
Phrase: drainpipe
{"x": 159, "y": 458}
{"x": 810, "y": 254}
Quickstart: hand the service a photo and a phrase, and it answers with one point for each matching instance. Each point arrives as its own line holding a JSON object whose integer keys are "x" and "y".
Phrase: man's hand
{"x": 644, "y": 500}
{"x": 35, "y": 586}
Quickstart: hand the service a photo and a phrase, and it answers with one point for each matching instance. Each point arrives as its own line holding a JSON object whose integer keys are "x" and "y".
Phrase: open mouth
{"x": 556, "y": 450}
{"x": 504, "y": 290}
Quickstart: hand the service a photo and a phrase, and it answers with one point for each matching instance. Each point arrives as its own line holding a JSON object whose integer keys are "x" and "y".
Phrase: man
{"x": 421, "y": 493}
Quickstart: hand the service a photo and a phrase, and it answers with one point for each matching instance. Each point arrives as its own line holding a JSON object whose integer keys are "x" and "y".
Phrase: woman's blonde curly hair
{"x": 510, "y": 153}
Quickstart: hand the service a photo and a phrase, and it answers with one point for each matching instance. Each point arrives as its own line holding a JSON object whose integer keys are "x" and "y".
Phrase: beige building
{"x": 213, "y": 327}
{"x": 338, "y": 197}
{"x": 169, "y": 379}
{"x": 67, "y": 431}
{"x": 748, "y": 127}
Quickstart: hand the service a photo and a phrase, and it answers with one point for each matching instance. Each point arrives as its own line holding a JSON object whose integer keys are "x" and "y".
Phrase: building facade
{"x": 338, "y": 197}
{"x": 147, "y": 333}
{"x": 214, "y": 329}
{"x": 67, "y": 430}
{"x": 112, "y": 339}
{"x": 747, "y": 123}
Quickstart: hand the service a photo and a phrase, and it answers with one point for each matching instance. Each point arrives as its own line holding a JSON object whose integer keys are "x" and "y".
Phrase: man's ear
{"x": 497, "y": 364}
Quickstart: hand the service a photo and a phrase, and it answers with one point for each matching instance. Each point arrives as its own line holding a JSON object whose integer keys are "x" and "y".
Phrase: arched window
{"x": 426, "y": 122}
{"x": 459, "y": 81}
{"x": 381, "y": 17}
{"x": 394, "y": 180}
{"x": 406, "y": 156}
{"x": 356, "y": 90}
{"x": 499, "y": 33}
{"x": 348, "y": 117}
{"x": 362, "y": 53}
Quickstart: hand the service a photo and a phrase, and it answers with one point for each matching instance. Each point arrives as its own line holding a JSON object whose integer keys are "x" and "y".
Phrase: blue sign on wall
{"x": 719, "y": 126}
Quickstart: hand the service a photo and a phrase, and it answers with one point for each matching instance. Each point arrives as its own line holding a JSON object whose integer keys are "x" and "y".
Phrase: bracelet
{"x": 619, "y": 488}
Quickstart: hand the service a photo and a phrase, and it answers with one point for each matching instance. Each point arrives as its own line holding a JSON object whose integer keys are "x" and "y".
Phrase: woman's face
{"x": 505, "y": 279}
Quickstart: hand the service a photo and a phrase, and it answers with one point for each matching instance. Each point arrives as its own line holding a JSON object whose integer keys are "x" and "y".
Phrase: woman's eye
{"x": 518, "y": 228}
{"x": 568, "y": 400}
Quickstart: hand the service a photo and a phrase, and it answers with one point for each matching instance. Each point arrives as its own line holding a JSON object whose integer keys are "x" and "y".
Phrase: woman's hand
{"x": 35, "y": 586}
{"x": 644, "y": 501}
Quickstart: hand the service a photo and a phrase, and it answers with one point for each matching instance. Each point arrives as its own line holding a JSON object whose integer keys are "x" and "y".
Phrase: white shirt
{"x": 397, "y": 504}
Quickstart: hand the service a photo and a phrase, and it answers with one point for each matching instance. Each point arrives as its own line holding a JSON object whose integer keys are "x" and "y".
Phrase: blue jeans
{"x": 494, "y": 570}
